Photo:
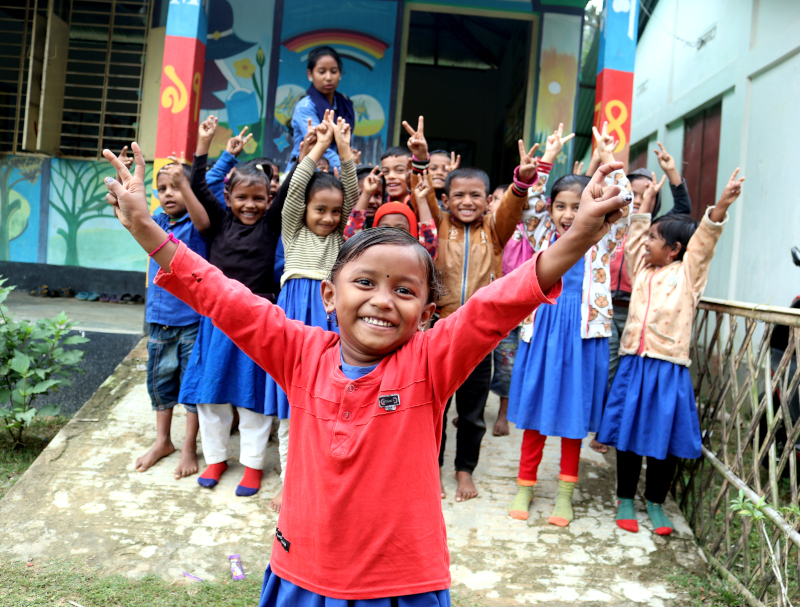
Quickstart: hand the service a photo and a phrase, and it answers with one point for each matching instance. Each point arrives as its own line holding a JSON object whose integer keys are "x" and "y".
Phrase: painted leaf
{"x": 18, "y": 219}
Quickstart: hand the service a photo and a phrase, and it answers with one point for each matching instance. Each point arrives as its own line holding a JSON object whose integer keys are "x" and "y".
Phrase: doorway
{"x": 470, "y": 76}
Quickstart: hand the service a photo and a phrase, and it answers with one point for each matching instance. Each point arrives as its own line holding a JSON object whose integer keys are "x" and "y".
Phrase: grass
{"x": 57, "y": 582}
{"x": 14, "y": 462}
{"x": 707, "y": 591}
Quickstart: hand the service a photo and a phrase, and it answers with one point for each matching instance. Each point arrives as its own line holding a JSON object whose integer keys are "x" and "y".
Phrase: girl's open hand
{"x": 732, "y": 190}
{"x": 128, "y": 198}
{"x": 236, "y": 144}
{"x": 341, "y": 132}
{"x": 324, "y": 129}
{"x": 666, "y": 161}
{"x": 176, "y": 173}
{"x": 455, "y": 162}
{"x": 528, "y": 163}
{"x": 601, "y": 207}
{"x": 417, "y": 142}
{"x": 205, "y": 132}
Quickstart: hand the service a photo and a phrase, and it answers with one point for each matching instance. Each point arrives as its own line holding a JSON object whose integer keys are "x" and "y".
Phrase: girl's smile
{"x": 381, "y": 301}
{"x": 248, "y": 201}
{"x": 564, "y": 209}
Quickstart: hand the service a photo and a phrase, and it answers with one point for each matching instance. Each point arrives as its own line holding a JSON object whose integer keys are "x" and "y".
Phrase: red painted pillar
{"x": 614, "y": 94}
{"x": 181, "y": 81}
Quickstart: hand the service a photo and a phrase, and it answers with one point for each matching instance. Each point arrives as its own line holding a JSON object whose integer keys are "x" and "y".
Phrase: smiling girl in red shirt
{"x": 367, "y": 402}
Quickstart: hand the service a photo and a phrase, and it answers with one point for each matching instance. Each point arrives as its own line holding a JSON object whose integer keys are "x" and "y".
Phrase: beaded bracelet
{"x": 170, "y": 238}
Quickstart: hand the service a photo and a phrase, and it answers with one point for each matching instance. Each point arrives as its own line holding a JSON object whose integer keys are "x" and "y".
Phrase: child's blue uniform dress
{"x": 301, "y": 300}
{"x": 651, "y": 410}
{"x": 557, "y": 386}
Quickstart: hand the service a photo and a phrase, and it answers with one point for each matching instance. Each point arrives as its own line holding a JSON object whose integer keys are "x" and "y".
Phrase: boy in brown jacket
{"x": 470, "y": 257}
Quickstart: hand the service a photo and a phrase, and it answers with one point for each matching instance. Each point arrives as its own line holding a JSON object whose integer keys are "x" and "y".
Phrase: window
{"x": 701, "y": 158}
{"x": 638, "y": 156}
{"x": 102, "y": 95}
{"x": 71, "y": 74}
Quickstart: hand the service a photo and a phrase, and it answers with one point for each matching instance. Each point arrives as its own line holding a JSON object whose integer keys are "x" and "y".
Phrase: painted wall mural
{"x": 363, "y": 32}
{"x": 558, "y": 82}
{"x": 19, "y": 207}
{"x": 236, "y": 75}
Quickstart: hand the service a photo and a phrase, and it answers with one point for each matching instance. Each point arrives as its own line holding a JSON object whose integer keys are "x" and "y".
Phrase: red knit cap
{"x": 397, "y": 208}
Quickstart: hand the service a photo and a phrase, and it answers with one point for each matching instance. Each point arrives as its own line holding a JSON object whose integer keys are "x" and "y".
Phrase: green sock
{"x": 518, "y": 509}
{"x": 661, "y": 524}
{"x": 626, "y": 515}
{"x": 562, "y": 513}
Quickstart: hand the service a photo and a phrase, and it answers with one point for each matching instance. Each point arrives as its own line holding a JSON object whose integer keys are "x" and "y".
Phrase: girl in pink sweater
{"x": 366, "y": 406}
{"x": 651, "y": 410}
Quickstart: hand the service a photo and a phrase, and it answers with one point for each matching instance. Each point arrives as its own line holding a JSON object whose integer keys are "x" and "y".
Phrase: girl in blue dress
{"x": 314, "y": 217}
{"x": 241, "y": 236}
{"x": 558, "y": 385}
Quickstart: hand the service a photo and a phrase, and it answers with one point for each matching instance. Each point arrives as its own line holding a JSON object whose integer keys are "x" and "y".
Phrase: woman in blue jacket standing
{"x": 324, "y": 73}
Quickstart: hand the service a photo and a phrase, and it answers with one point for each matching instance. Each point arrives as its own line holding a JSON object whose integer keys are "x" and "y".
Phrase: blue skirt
{"x": 301, "y": 300}
{"x": 558, "y": 382}
{"x": 651, "y": 410}
{"x": 219, "y": 372}
{"x": 279, "y": 593}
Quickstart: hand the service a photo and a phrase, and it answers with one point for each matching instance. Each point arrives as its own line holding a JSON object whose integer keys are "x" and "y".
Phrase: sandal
{"x": 93, "y": 296}
{"x": 137, "y": 299}
{"x": 82, "y": 296}
{"x": 113, "y": 298}
{"x": 42, "y": 291}
{"x": 66, "y": 292}
{"x": 126, "y": 299}
{"x": 103, "y": 297}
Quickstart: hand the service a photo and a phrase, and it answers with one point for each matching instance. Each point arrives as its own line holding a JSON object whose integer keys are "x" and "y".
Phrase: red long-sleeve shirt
{"x": 362, "y": 515}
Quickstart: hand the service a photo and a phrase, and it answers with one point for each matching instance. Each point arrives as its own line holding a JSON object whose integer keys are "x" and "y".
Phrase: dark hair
{"x": 354, "y": 247}
{"x": 569, "y": 182}
{"x": 398, "y": 150}
{"x": 674, "y": 229}
{"x": 322, "y": 181}
{"x": 247, "y": 175}
{"x": 264, "y": 162}
{"x": 320, "y": 52}
{"x": 503, "y": 187}
{"x": 466, "y": 173}
{"x": 187, "y": 170}
{"x": 362, "y": 170}
{"x": 439, "y": 153}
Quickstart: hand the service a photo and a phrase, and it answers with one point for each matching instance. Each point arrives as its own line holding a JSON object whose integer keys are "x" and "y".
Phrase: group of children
{"x": 358, "y": 302}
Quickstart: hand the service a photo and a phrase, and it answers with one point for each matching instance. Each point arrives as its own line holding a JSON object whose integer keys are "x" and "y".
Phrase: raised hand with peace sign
{"x": 528, "y": 163}
{"x": 555, "y": 143}
{"x": 236, "y": 144}
{"x": 417, "y": 142}
{"x": 605, "y": 144}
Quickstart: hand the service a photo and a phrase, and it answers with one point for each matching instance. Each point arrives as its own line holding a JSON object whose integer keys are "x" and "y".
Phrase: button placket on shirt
{"x": 343, "y": 429}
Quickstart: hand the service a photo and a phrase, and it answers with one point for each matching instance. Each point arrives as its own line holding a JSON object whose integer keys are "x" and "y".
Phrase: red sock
{"x": 214, "y": 471}
{"x": 251, "y": 478}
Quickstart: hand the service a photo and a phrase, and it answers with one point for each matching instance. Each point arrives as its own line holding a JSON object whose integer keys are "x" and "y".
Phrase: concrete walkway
{"x": 83, "y": 499}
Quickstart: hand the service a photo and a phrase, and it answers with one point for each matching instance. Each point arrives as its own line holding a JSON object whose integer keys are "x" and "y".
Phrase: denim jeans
{"x": 168, "y": 349}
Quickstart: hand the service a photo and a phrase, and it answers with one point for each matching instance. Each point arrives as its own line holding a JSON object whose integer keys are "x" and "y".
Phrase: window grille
{"x": 16, "y": 19}
{"x": 105, "y": 66}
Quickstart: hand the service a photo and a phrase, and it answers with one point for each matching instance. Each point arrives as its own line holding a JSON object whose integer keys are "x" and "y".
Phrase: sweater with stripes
{"x": 309, "y": 255}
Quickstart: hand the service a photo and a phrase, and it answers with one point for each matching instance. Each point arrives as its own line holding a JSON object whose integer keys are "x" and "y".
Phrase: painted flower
{"x": 250, "y": 146}
{"x": 261, "y": 58}
{"x": 244, "y": 68}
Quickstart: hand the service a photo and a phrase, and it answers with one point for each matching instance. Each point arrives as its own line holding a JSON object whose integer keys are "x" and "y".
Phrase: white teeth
{"x": 376, "y": 321}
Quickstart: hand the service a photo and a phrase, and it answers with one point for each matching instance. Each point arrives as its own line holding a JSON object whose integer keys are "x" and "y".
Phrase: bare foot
{"x": 599, "y": 447}
{"x": 501, "y": 427}
{"x": 466, "y": 488}
{"x": 455, "y": 421}
{"x": 275, "y": 502}
{"x": 157, "y": 451}
{"x": 441, "y": 484}
{"x": 188, "y": 462}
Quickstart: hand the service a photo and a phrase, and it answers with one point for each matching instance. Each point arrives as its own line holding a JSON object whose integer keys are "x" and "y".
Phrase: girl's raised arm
{"x": 271, "y": 340}
{"x": 348, "y": 176}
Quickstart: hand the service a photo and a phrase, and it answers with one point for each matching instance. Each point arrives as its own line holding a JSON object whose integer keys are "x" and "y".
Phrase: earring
{"x": 332, "y": 316}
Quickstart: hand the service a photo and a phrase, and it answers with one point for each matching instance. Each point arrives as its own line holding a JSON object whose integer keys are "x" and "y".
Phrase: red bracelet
{"x": 170, "y": 238}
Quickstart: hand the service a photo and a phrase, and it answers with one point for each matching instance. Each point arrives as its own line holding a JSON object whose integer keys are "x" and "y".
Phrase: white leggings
{"x": 215, "y": 432}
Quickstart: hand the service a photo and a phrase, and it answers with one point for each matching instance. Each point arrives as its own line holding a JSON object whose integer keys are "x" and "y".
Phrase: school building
{"x": 717, "y": 82}
{"x": 77, "y": 76}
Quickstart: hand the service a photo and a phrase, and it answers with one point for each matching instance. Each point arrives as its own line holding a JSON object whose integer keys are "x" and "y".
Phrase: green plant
{"x": 33, "y": 362}
{"x": 754, "y": 510}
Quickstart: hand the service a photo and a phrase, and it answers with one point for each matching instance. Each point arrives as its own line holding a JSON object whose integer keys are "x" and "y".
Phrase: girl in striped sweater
{"x": 314, "y": 217}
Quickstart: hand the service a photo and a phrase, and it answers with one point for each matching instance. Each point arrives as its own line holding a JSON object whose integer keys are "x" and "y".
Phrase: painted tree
{"x": 79, "y": 196}
{"x": 12, "y": 221}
